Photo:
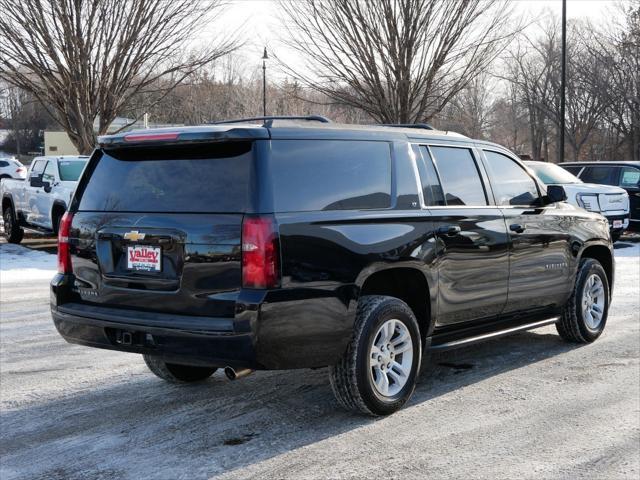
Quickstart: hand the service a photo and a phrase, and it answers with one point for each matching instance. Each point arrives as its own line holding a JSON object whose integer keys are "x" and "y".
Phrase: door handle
{"x": 516, "y": 227}
{"x": 448, "y": 230}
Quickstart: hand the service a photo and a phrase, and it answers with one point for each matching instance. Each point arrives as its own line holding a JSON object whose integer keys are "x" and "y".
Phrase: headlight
{"x": 588, "y": 202}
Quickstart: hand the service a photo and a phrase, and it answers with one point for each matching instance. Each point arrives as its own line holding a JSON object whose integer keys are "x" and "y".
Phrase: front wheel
{"x": 12, "y": 229}
{"x": 175, "y": 373}
{"x": 585, "y": 314}
{"x": 377, "y": 373}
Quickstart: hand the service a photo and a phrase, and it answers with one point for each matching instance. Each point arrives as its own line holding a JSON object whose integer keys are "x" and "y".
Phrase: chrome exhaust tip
{"x": 233, "y": 374}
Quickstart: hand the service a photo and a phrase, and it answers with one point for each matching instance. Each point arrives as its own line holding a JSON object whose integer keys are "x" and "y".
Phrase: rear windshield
{"x": 186, "y": 178}
{"x": 311, "y": 175}
{"x": 70, "y": 170}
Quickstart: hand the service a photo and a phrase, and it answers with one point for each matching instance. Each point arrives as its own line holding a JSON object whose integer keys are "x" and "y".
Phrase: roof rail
{"x": 268, "y": 120}
{"x": 425, "y": 126}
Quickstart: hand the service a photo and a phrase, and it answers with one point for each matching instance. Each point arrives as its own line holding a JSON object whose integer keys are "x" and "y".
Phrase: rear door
{"x": 541, "y": 263}
{"x": 158, "y": 228}
{"x": 472, "y": 241}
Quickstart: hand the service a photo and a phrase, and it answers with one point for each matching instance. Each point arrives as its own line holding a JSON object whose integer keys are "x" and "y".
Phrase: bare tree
{"x": 85, "y": 59}
{"x": 618, "y": 59}
{"x": 397, "y": 60}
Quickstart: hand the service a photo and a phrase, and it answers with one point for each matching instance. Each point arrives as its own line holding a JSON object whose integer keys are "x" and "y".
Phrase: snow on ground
{"x": 525, "y": 406}
{"x": 21, "y": 264}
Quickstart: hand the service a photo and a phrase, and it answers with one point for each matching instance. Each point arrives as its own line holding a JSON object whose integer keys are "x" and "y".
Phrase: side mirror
{"x": 35, "y": 181}
{"x": 556, "y": 193}
{"x": 46, "y": 186}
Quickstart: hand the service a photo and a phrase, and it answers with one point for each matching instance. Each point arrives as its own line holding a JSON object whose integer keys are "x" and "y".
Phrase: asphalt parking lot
{"x": 529, "y": 406}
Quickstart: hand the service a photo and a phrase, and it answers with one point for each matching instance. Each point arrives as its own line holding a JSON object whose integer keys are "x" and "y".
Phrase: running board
{"x": 493, "y": 335}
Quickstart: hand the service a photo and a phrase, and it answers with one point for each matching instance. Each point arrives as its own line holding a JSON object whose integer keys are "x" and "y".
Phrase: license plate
{"x": 144, "y": 258}
{"x": 617, "y": 224}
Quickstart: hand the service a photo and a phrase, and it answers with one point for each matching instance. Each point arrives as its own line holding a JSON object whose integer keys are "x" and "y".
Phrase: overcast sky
{"x": 258, "y": 21}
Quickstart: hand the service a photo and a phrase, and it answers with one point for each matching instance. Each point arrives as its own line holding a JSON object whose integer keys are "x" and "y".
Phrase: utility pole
{"x": 563, "y": 79}
{"x": 265, "y": 57}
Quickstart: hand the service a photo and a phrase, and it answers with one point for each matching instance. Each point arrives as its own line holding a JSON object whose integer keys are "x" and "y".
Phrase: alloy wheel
{"x": 391, "y": 358}
{"x": 593, "y": 301}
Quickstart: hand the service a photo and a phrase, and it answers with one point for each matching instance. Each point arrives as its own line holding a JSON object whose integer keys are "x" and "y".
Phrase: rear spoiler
{"x": 165, "y": 136}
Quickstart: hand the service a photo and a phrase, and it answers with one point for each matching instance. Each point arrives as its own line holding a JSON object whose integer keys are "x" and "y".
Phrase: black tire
{"x": 572, "y": 326}
{"x": 172, "y": 372}
{"x": 616, "y": 236}
{"x": 351, "y": 378}
{"x": 12, "y": 230}
{"x": 2, "y": 177}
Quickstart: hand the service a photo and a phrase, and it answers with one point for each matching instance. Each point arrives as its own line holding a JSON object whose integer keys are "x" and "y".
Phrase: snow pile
{"x": 21, "y": 264}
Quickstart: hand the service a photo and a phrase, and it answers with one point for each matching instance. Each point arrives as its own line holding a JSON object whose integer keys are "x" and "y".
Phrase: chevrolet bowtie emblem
{"x": 134, "y": 236}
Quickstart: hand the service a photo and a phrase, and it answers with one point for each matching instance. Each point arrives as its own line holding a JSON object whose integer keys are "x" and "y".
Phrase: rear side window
{"x": 311, "y": 175}
{"x": 431, "y": 189}
{"x": 185, "y": 178}
{"x": 630, "y": 177}
{"x": 3, "y": 164}
{"x": 459, "y": 175}
{"x": 70, "y": 170}
{"x": 511, "y": 184}
{"x": 601, "y": 175}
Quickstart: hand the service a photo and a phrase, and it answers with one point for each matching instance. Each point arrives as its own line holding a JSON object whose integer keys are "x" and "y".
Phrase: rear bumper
{"x": 186, "y": 340}
{"x": 270, "y": 330}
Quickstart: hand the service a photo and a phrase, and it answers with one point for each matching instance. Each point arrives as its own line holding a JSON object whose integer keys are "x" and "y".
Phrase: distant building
{"x": 59, "y": 143}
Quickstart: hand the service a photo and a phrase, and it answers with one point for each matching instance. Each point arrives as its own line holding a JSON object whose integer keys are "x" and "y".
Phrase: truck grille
{"x": 611, "y": 202}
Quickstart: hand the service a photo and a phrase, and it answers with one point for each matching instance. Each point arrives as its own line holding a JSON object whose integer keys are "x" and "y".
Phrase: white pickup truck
{"x": 39, "y": 201}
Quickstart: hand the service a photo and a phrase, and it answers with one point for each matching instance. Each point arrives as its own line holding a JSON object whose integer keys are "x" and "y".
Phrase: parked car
{"x": 11, "y": 167}
{"x": 621, "y": 174}
{"x": 39, "y": 200}
{"x": 299, "y": 243}
{"x": 612, "y": 202}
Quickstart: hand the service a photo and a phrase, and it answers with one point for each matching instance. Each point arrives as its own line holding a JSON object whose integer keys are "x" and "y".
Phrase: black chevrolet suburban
{"x": 281, "y": 243}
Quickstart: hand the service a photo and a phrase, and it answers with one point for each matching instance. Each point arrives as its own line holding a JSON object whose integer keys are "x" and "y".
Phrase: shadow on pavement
{"x": 146, "y": 425}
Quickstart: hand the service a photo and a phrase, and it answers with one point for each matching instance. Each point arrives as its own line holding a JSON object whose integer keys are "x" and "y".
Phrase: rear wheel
{"x": 12, "y": 229}
{"x": 175, "y": 373}
{"x": 585, "y": 314}
{"x": 616, "y": 236}
{"x": 377, "y": 373}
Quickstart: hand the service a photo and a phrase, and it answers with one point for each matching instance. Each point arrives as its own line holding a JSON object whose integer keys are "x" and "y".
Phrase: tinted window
{"x": 3, "y": 164}
{"x": 431, "y": 188}
{"x": 406, "y": 186}
{"x": 38, "y": 167}
{"x": 49, "y": 174}
{"x": 70, "y": 170}
{"x": 511, "y": 184}
{"x": 630, "y": 177}
{"x": 200, "y": 178}
{"x": 601, "y": 175}
{"x": 574, "y": 170}
{"x": 313, "y": 175}
{"x": 459, "y": 176}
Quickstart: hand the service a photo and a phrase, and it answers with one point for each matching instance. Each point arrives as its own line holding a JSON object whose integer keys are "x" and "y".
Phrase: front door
{"x": 31, "y": 191}
{"x": 540, "y": 259}
{"x": 472, "y": 241}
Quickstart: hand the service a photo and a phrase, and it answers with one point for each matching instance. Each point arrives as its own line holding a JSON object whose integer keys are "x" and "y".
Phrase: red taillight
{"x": 64, "y": 255}
{"x": 260, "y": 253}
